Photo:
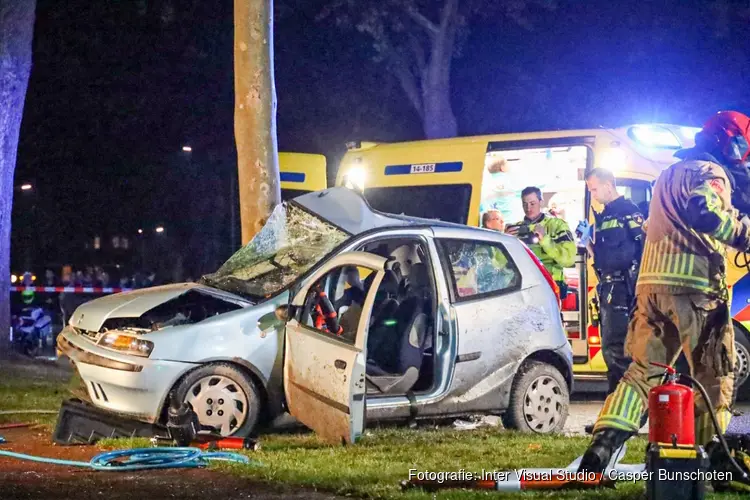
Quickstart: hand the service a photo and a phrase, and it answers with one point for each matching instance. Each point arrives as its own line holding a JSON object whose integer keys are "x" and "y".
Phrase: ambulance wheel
{"x": 224, "y": 398}
{"x": 539, "y": 400}
{"x": 742, "y": 364}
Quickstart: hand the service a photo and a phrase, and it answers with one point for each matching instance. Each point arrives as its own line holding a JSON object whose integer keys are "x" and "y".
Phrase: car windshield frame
{"x": 292, "y": 242}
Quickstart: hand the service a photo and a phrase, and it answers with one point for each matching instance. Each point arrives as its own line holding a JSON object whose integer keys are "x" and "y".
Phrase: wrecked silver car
{"x": 332, "y": 305}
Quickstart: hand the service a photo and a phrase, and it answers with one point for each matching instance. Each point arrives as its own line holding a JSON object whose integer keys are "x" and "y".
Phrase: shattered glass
{"x": 479, "y": 269}
{"x": 290, "y": 243}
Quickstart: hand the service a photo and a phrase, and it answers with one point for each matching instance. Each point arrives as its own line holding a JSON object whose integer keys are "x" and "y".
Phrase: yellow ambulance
{"x": 301, "y": 173}
{"x": 458, "y": 179}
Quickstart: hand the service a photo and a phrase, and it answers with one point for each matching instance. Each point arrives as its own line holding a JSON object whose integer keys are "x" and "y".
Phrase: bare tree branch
{"x": 418, "y": 50}
{"x": 421, "y": 20}
{"x": 448, "y": 14}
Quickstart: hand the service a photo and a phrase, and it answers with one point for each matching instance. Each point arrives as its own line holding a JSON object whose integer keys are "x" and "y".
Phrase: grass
{"x": 373, "y": 468}
{"x": 34, "y": 386}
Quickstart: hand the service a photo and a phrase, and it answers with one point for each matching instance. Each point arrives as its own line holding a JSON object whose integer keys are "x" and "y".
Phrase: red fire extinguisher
{"x": 671, "y": 412}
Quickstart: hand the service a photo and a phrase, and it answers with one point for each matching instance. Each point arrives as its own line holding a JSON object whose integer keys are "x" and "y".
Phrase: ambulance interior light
{"x": 654, "y": 136}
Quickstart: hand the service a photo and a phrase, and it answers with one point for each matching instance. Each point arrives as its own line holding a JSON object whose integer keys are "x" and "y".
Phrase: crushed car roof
{"x": 348, "y": 210}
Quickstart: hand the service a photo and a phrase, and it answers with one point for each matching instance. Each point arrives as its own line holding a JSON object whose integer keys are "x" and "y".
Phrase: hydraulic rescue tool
{"x": 183, "y": 429}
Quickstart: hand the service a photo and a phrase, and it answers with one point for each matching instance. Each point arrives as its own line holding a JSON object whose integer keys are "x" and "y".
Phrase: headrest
{"x": 406, "y": 255}
{"x": 419, "y": 277}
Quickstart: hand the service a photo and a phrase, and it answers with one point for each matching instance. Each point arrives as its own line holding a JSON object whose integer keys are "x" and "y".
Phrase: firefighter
{"x": 617, "y": 246}
{"x": 547, "y": 236}
{"x": 681, "y": 293}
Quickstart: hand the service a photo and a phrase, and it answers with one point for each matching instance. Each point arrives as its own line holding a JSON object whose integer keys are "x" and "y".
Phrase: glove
{"x": 583, "y": 231}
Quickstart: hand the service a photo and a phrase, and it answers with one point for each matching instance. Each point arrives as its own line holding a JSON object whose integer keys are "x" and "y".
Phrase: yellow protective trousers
{"x": 662, "y": 326}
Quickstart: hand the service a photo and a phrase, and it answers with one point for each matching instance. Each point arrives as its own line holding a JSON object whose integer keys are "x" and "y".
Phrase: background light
{"x": 356, "y": 177}
{"x": 688, "y": 133}
{"x": 613, "y": 159}
{"x": 159, "y": 229}
{"x": 140, "y": 231}
{"x": 26, "y": 187}
{"x": 187, "y": 149}
{"x": 653, "y": 136}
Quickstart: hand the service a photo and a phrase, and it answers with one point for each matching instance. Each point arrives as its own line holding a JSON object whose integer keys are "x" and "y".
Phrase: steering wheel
{"x": 328, "y": 311}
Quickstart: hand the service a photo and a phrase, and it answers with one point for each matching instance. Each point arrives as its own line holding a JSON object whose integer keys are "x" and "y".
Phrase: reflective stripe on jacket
{"x": 557, "y": 249}
{"x": 688, "y": 229}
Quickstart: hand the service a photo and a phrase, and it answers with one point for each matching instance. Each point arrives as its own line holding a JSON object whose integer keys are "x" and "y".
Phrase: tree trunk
{"x": 255, "y": 114}
{"x": 16, "y": 34}
{"x": 438, "y": 120}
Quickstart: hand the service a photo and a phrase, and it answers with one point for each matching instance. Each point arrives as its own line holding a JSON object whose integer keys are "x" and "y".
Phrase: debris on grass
{"x": 476, "y": 422}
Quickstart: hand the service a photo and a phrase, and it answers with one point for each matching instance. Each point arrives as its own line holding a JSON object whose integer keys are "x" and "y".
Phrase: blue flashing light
{"x": 654, "y": 136}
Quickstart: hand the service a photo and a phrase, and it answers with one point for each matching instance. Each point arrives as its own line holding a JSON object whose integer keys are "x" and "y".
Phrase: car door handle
{"x": 340, "y": 364}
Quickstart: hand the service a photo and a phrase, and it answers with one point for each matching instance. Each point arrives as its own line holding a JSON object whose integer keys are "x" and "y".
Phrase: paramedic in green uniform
{"x": 547, "y": 236}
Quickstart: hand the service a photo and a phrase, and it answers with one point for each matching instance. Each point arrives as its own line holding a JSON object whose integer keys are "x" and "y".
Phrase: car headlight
{"x": 127, "y": 343}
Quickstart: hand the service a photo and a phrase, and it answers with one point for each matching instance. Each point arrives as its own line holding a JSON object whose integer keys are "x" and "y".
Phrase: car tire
{"x": 543, "y": 385}
{"x": 742, "y": 359}
{"x": 213, "y": 402}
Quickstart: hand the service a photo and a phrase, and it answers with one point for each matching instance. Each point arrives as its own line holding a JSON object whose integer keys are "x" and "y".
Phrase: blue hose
{"x": 142, "y": 459}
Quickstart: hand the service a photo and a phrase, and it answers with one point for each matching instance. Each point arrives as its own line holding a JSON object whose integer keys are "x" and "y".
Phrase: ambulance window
{"x": 423, "y": 201}
{"x": 639, "y": 192}
{"x": 556, "y": 171}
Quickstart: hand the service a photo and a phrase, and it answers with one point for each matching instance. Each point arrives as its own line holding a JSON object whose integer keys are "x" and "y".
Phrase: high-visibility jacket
{"x": 557, "y": 249}
{"x": 688, "y": 230}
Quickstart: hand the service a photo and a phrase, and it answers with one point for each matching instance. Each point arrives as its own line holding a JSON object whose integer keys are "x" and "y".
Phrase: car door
{"x": 324, "y": 373}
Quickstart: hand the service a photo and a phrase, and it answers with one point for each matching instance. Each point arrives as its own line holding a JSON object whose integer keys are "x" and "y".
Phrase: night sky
{"x": 117, "y": 88}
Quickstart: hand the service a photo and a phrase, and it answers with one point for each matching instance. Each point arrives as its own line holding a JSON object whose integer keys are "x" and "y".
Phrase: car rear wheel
{"x": 539, "y": 400}
{"x": 223, "y": 397}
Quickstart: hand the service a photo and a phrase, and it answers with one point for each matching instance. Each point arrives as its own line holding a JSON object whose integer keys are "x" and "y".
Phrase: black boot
{"x": 599, "y": 452}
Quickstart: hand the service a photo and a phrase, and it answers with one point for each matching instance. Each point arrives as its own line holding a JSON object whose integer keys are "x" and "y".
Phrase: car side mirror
{"x": 283, "y": 313}
{"x": 275, "y": 318}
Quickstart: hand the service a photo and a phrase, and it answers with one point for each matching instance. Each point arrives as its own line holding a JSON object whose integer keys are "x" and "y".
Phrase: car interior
{"x": 400, "y": 339}
{"x": 401, "y": 329}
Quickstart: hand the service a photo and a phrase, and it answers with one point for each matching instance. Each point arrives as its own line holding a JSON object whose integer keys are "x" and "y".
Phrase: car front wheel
{"x": 223, "y": 397}
{"x": 539, "y": 400}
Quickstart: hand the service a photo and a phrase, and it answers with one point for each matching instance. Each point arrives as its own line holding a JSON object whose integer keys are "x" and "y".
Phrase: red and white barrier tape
{"x": 69, "y": 289}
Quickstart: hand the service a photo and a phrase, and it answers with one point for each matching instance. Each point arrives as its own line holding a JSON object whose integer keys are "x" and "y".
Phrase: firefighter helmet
{"x": 727, "y": 133}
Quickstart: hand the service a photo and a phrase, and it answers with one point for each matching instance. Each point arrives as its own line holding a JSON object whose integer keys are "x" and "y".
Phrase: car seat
{"x": 385, "y": 299}
{"x": 397, "y": 356}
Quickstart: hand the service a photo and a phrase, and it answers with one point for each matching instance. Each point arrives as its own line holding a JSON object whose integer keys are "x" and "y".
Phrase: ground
{"x": 43, "y": 385}
{"x": 36, "y": 481}
{"x": 291, "y": 465}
